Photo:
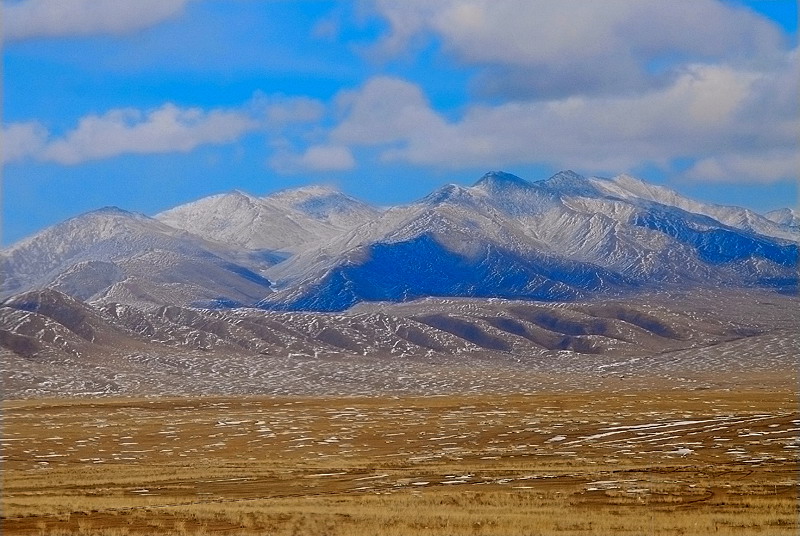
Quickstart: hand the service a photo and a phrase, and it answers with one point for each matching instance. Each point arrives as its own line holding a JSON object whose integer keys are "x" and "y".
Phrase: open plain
{"x": 650, "y": 461}
{"x": 668, "y": 415}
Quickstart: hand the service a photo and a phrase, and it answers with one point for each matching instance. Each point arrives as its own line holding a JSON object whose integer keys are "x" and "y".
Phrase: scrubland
{"x": 653, "y": 462}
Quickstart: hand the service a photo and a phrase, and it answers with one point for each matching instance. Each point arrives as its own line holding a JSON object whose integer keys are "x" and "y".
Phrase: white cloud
{"x": 59, "y": 18}
{"x": 170, "y": 128}
{"x": 328, "y": 158}
{"x": 754, "y": 168}
{"x": 384, "y": 110}
{"x": 315, "y": 158}
{"x": 22, "y": 140}
{"x": 279, "y": 111}
{"x": 602, "y": 86}
{"x": 547, "y": 49}
{"x": 709, "y": 110}
{"x": 166, "y": 129}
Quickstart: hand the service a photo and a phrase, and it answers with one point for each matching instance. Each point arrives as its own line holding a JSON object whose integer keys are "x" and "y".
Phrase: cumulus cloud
{"x": 279, "y": 111}
{"x": 22, "y": 140}
{"x": 320, "y": 158}
{"x": 125, "y": 131}
{"x": 546, "y": 49}
{"x": 60, "y": 18}
{"x": 755, "y": 168}
{"x": 166, "y": 129}
{"x": 708, "y": 110}
{"x": 170, "y": 128}
{"x": 385, "y": 110}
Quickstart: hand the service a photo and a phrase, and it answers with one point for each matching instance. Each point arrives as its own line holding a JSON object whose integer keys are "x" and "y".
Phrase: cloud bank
{"x": 544, "y": 49}
{"x": 62, "y": 18}
{"x": 599, "y": 86}
{"x": 22, "y": 140}
{"x": 166, "y": 129}
{"x": 740, "y": 124}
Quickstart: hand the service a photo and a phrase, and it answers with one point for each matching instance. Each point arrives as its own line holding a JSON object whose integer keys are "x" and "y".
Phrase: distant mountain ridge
{"x": 122, "y": 256}
{"x": 568, "y": 237}
{"x": 289, "y": 220}
{"x": 784, "y": 217}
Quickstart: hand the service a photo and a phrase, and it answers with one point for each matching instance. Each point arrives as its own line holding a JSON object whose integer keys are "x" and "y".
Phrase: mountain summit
{"x": 287, "y": 221}
{"x": 567, "y": 237}
{"x": 499, "y": 179}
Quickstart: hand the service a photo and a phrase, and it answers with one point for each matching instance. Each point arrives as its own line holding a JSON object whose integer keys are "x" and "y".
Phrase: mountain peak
{"x": 569, "y": 183}
{"x": 304, "y": 192}
{"x": 630, "y": 181}
{"x": 236, "y": 195}
{"x": 230, "y": 198}
{"x": 784, "y": 216}
{"x": 566, "y": 177}
{"x": 501, "y": 179}
{"x": 239, "y": 193}
{"x": 111, "y": 211}
{"x": 447, "y": 193}
{"x": 326, "y": 205}
{"x": 567, "y": 174}
{"x": 317, "y": 189}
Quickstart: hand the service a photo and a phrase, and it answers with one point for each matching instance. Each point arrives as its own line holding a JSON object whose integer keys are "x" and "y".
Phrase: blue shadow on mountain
{"x": 420, "y": 267}
{"x": 719, "y": 245}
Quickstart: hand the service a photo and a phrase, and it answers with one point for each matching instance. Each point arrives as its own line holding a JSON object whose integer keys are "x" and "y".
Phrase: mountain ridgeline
{"x": 315, "y": 249}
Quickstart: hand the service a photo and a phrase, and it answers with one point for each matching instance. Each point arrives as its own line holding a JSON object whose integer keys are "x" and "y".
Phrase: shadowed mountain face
{"x": 565, "y": 238}
{"x": 423, "y": 266}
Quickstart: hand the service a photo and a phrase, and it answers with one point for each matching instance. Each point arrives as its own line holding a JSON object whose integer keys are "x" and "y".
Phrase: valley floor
{"x": 635, "y": 461}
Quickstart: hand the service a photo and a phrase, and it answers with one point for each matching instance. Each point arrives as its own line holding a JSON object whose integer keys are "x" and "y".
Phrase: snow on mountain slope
{"x": 287, "y": 221}
{"x": 94, "y": 254}
{"x": 566, "y": 237}
{"x": 456, "y": 241}
{"x": 631, "y": 188}
{"x": 326, "y": 205}
{"x": 57, "y": 329}
{"x": 618, "y": 229}
{"x": 245, "y": 221}
{"x": 785, "y": 216}
{"x": 97, "y": 235}
{"x": 563, "y": 237}
{"x": 569, "y": 217}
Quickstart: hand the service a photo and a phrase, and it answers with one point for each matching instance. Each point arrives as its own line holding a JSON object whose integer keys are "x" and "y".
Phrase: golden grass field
{"x": 644, "y": 463}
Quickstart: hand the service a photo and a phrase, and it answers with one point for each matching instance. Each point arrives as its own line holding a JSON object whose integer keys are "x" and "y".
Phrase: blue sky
{"x": 149, "y": 104}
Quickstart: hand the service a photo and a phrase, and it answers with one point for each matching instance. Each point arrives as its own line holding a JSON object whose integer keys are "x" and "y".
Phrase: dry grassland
{"x": 654, "y": 463}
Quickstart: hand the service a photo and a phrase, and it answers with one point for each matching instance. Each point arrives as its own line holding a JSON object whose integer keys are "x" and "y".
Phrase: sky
{"x": 149, "y": 104}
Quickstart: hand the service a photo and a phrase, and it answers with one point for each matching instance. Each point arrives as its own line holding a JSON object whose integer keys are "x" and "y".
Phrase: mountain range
{"x": 565, "y": 238}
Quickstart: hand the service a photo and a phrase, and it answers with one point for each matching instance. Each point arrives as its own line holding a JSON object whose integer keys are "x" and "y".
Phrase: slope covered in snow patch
{"x": 115, "y": 254}
{"x": 314, "y": 248}
{"x": 287, "y": 221}
{"x": 632, "y": 189}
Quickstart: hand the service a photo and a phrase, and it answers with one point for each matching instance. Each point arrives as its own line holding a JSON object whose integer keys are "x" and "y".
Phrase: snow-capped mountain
{"x": 785, "y": 217}
{"x": 117, "y": 255}
{"x": 564, "y": 238}
{"x": 325, "y": 204}
{"x": 627, "y": 187}
{"x": 287, "y": 221}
